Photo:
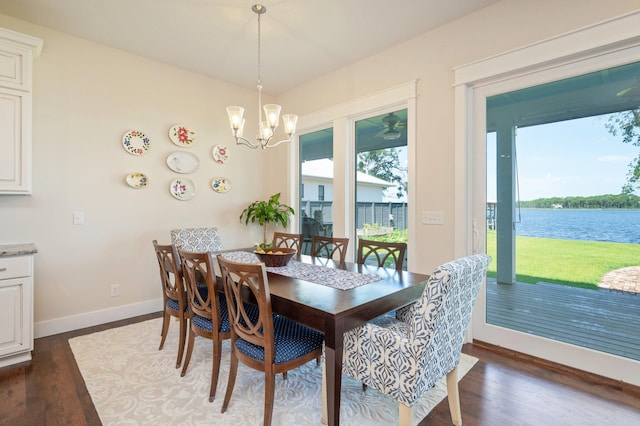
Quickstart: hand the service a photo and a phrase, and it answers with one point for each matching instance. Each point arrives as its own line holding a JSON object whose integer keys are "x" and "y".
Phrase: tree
{"x": 384, "y": 164}
{"x": 627, "y": 124}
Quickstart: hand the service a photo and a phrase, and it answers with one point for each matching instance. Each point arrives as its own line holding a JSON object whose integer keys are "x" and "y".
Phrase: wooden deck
{"x": 604, "y": 320}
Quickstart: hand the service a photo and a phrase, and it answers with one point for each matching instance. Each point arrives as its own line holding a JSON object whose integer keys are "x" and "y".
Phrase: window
{"x": 326, "y": 153}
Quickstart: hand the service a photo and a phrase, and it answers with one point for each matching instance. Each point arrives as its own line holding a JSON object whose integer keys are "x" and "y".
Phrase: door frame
{"x": 604, "y": 45}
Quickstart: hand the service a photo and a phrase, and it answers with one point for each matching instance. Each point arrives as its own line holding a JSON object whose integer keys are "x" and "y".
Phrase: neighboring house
{"x": 317, "y": 183}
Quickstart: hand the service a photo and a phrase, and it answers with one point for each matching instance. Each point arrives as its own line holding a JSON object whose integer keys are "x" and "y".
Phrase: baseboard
{"x": 89, "y": 319}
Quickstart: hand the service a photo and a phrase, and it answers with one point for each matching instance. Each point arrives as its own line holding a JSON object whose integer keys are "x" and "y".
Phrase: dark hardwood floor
{"x": 503, "y": 388}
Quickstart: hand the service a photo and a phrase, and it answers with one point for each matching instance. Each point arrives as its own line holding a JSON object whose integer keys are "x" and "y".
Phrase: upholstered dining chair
{"x": 286, "y": 240}
{"x": 208, "y": 314}
{"x": 406, "y": 356}
{"x": 269, "y": 343}
{"x": 329, "y": 246}
{"x": 381, "y": 253}
{"x": 173, "y": 294}
{"x": 196, "y": 239}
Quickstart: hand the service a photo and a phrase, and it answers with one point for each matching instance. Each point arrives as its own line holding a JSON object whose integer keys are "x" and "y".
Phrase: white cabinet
{"x": 17, "y": 52}
{"x": 16, "y": 309}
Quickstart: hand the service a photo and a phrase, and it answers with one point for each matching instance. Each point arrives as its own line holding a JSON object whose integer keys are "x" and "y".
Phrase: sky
{"x": 570, "y": 158}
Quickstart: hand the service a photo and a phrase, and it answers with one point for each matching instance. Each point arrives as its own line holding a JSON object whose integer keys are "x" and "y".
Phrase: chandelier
{"x": 268, "y": 122}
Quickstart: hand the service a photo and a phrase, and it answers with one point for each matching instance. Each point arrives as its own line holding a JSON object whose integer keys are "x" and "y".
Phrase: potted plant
{"x": 265, "y": 212}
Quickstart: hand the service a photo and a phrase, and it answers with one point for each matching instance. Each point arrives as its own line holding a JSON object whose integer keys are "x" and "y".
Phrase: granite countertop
{"x": 17, "y": 249}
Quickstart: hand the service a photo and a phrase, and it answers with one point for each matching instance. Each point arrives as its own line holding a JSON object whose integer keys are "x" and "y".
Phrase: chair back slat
{"x": 384, "y": 253}
{"x": 286, "y": 240}
{"x": 170, "y": 272}
{"x": 329, "y": 247}
{"x": 248, "y": 281}
{"x": 199, "y": 274}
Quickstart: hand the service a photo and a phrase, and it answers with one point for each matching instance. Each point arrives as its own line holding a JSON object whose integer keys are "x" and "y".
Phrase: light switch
{"x": 78, "y": 218}
{"x": 433, "y": 218}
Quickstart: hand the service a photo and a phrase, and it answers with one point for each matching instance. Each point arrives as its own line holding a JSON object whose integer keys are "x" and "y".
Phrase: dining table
{"x": 351, "y": 294}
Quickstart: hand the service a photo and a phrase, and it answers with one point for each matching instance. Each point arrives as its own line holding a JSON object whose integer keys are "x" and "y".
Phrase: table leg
{"x": 333, "y": 365}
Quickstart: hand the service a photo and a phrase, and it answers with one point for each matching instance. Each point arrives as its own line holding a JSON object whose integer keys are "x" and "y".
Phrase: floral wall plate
{"x": 137, "y": 180}
{"x": 220, "y": 184}
{"x": 135, "y": 142}
{"x": 183, "y": 162}
{"x": 220, "y": 154}
{"x": 183, "y": 189}
{"x": 181, "y": 135}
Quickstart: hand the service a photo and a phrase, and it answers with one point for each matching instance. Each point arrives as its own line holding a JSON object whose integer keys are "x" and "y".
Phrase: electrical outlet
{"x": 78, "y": 218}
{"x": 433, "y": 218}
{"x": 115, "y": 290}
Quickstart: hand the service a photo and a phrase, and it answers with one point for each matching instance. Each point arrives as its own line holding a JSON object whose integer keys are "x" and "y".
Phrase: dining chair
{"x": 406, "y": 356}
{"x": 383, "y": 252}
{"x": 173, "y": 294}
{"x": 208, "y": 314}
{"x": 329, "y": 246}
{"x": 196, "y": 239}
{"x": 285, "y": 240}
{"x": 269, "y": 343}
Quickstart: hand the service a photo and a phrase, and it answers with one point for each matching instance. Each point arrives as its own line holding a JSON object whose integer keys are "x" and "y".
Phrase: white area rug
{"x": 132, "y": 383}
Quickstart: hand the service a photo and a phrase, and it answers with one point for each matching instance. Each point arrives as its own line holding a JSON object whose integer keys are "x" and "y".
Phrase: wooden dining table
{"x": 334, "y": 311}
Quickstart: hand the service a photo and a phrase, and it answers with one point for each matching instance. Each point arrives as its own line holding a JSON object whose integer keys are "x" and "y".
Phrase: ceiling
{"x": 301, "y": 39}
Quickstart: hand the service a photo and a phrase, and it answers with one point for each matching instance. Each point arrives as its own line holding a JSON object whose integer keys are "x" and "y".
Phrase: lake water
{"x": 620, "y": 226}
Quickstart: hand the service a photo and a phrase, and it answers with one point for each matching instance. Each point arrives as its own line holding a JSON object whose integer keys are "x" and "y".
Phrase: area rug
{"x": 131, "y": 382}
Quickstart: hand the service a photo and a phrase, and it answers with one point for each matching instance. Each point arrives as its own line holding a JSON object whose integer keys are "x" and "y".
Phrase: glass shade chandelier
{"x": 267, "y": 122}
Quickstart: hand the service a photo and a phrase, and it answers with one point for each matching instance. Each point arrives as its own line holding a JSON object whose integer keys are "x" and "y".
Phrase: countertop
{"x": 7, "y": 250}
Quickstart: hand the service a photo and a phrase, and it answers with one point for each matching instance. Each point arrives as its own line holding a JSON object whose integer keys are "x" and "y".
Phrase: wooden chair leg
{"x": 454, "y": 396}
{"x": 183, "y": 337}
{"x": 165, "y": 329}
{"x": 405, "y": 415}
{"x": 233, "y": 371}
{"x": 187, "y": 358}
{"x": 269, "y": 391}
{"x": 324, "y": 415}
{"x": 215, "y": 368}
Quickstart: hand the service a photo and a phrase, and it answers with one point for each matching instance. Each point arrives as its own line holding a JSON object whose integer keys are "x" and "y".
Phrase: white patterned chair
{"x": 406, "y": 356}
{"x": 196, "y": 239}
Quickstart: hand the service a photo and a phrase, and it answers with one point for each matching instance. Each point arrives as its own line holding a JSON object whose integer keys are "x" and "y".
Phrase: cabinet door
{"x": 15, "y": 142}
{"x": 15, "y": 316}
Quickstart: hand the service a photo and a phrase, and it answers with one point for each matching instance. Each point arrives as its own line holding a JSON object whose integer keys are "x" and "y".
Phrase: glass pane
{"x": 316, "y": 186}
{"x": 381, "y": 178}
{"x": 563, "y": 212}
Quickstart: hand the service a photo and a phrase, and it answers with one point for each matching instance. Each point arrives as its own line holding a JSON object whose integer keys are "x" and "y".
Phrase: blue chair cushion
{"x": 173, "y": 305}
{"x": 292, "y": 340}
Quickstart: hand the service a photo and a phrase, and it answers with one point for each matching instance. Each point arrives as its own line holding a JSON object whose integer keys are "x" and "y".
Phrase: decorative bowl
{"x": 276, "y": 257}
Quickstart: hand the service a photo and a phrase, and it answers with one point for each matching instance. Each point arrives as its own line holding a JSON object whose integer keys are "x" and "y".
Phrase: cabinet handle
{"x": 3, "y": 269}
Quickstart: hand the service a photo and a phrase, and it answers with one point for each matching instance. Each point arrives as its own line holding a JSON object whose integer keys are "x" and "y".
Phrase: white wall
{"x": 86, "y": 96}
{"x": 430, "y": 59}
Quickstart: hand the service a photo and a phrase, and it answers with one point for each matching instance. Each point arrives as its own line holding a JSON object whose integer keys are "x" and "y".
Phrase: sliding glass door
{"x": 316, "y": 185}
{"x": 381, "y": 173}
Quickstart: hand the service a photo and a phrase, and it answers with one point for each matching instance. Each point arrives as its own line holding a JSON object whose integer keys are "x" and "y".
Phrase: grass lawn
{"x": 568, "y": 262}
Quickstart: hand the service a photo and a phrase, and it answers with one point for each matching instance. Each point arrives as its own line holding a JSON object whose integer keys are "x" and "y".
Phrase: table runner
{"x": 330, "y": 277}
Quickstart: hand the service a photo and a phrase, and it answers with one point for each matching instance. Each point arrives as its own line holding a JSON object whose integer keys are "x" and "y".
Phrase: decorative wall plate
{"x": 220, "y": 154}
{"x": 183, "y": 162}
{"x": 181, "y": 135}
{"x": 220, "y": 184}
{"x": 136, "y": 142}
{"x": 183, "y": 189}
{"x": 137, "y": 180}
